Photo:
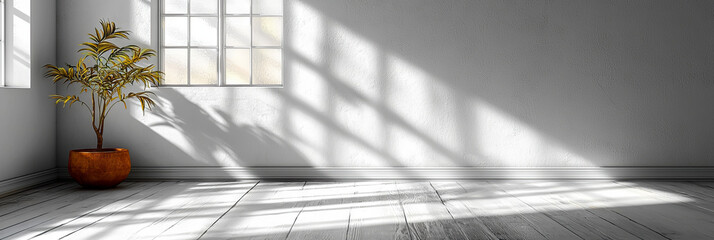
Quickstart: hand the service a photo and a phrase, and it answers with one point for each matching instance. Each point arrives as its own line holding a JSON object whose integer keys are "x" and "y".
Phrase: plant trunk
{"x": 100, "y": 140}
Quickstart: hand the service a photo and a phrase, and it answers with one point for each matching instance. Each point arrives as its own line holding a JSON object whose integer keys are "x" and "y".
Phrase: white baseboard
{"x": 20, "y": 183}
{"x": 337, "y": 173}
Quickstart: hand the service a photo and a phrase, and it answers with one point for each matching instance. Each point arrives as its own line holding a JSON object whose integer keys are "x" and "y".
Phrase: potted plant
{"x": 101, "y": 77}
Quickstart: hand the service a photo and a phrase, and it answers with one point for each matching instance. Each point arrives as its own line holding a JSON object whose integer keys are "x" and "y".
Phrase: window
{"x": 222, "y": 42}
{"x": 2, "y": 43}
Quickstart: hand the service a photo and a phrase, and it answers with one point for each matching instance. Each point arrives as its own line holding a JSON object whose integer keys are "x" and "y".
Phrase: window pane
{"x": 238, "y": 6}
{"x": 176, "y": 6}
{"x": 268, "y": 7}
{"x": 238, "y": 31}
{"x": 204, "y": 6}
{"x": 267, "y": 66}
{"x": 175, "y": 66}
{"x": 237, "y": 66}
{"x": 176, "y": 31}
{"x": 204, "y": 31}
{"x": 204, "y": 66}
{"x": 267, "y": 31}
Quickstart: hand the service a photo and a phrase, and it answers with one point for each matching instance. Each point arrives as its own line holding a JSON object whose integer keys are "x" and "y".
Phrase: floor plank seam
{"x": 35, "y": 189}
{"x": 447, "y": 209}
{"x": 618, "y": 225}
{"x": 173, "y": 211}
{"x": 611, "y": 223}
{"x": 111, "y": 214}
{"x": 489, "y": 233}
{"x": 85, "y": 214}
{"x": 534, "y": 209}
{"x": 34, "y": 204}
{"x": 349, "y": 215}
{"x": 229, "y": 209}
{"x": 689, "y": 204}
{"x": 296, "y": 216}
{"x": 30, "y": 219}
{"x": 173, "y": 225}
{"x": 27, "y": 220}
{"x": 37, "y": 216}
{"x": 644, "y": 226}
{"x": 404, "y": 213}
{"x": 39, "y": 188}
{"x": 703, "y": 185}
{"x": 585, "y": 208}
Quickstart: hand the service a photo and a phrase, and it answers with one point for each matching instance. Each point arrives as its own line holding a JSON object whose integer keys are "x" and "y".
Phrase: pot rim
{"x": 103, "y": 150}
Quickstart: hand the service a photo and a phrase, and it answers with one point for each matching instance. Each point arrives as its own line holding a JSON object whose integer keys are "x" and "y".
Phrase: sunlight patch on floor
{"x": 176, "y": 208}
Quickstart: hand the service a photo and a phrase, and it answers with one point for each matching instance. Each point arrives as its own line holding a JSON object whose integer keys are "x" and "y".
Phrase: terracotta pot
{"x": 96, "y": 168}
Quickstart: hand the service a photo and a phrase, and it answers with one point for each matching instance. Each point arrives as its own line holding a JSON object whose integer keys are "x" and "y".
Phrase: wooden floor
{"x": 363, "y": 210}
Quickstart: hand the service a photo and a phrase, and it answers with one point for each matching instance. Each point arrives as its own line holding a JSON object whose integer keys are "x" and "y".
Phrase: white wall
{"x": 435, "y": 83}
{"x": 27, "y": 116}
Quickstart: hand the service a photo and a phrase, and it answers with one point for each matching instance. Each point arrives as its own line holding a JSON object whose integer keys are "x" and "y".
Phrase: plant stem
{"x": 100, "y": 140}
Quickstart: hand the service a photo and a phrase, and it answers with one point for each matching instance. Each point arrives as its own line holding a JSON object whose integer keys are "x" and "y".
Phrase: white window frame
{"x": 221, "y": 46}
{"x": 2, "y": 44}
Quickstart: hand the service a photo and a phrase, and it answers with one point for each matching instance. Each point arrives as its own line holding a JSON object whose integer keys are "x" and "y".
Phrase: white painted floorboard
{"x": 363, "y": 210}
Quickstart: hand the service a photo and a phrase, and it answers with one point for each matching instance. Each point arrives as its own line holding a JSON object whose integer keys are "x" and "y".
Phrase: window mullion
{"x": 188, "y": 44}
{"x": 250, "y": 51}
{"x": 2, "y": 43}
{"x": 221, "y": 43}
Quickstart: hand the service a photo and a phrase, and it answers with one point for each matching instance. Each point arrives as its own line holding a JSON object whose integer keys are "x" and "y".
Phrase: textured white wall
{"x": 27, "y": 116}
{"x": 436, "y": 83}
